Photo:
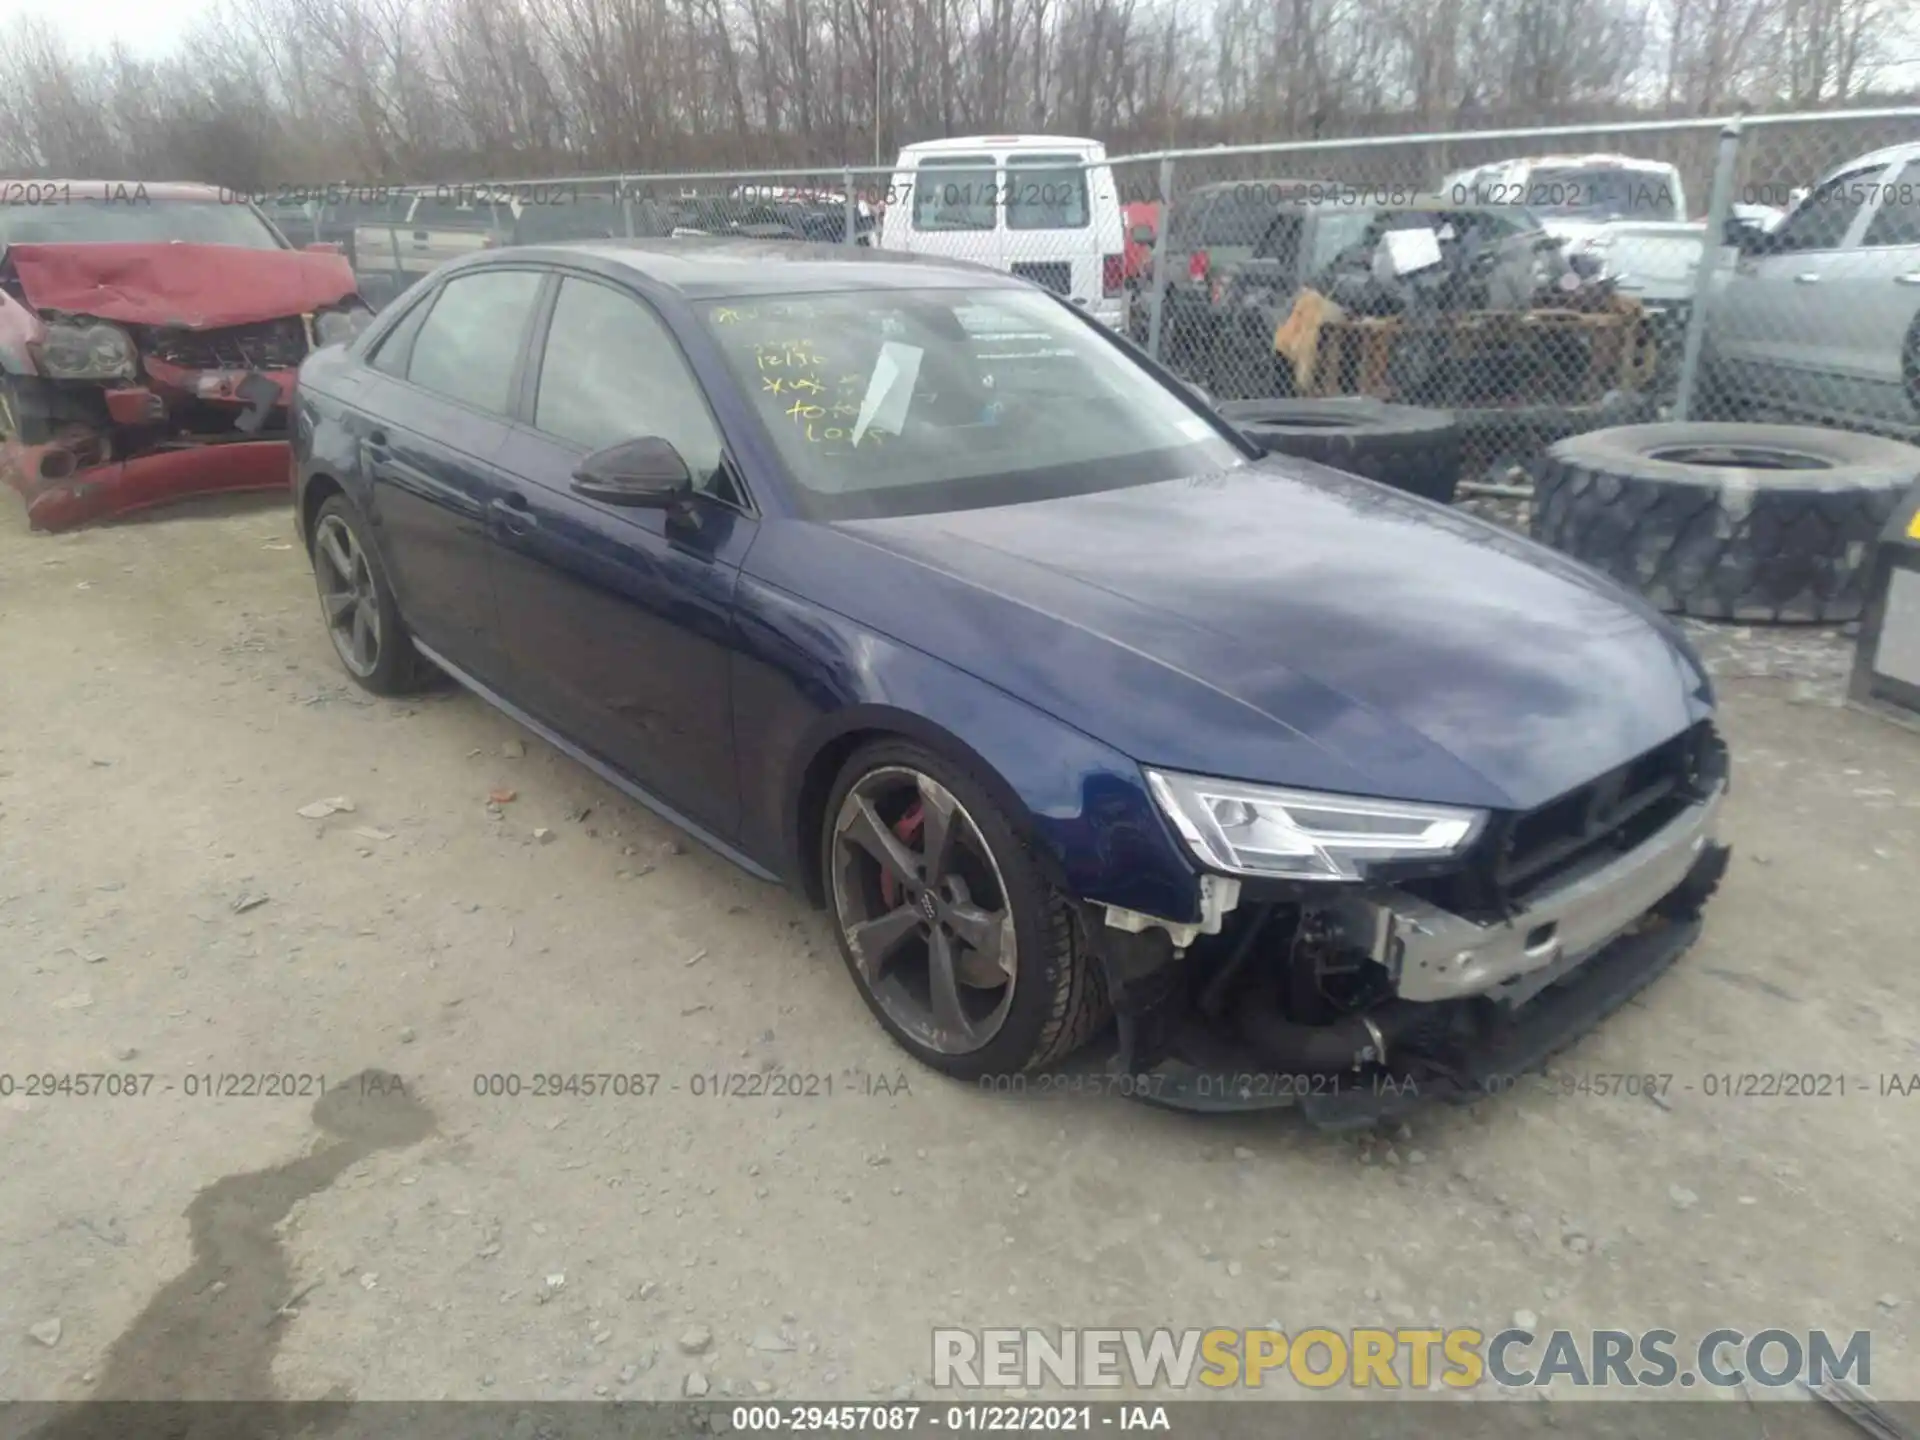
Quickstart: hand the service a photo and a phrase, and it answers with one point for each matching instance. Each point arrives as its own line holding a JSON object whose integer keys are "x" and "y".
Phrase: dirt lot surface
{"x": 168, "y": 704}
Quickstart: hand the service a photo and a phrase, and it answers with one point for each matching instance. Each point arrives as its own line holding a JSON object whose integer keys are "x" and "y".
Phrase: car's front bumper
{"x": 1433, "y": 954}
{"x": 1472, "y": 1002}
{"x": 1517, "y": 1045}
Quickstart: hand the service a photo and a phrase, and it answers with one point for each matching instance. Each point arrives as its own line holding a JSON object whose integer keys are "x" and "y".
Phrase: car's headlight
{"x": 1305, "y": 834}
{"x": 337, "y": 327}
{"x": 87, "y": 352}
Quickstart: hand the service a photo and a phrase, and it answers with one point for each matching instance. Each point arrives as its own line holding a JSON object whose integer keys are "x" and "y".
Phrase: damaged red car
{"x": 149, "y": 338}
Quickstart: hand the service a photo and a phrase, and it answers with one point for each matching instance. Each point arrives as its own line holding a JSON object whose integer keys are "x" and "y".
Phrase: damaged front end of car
{"x": 1367, "y": 956}
{"x": 136, "y": 375}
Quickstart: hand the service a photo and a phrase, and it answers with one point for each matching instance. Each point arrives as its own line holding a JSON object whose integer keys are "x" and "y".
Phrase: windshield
{"x": 909, "y": 401}
{"x": 195, "y": 222}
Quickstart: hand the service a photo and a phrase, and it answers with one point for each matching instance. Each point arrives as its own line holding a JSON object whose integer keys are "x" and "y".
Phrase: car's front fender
{"x": 808, "y": 682}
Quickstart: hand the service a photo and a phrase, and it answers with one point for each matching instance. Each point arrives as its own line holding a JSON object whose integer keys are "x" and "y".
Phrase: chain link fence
{"x": 1536, "y": 284}
{"x": 1532, "y": 283}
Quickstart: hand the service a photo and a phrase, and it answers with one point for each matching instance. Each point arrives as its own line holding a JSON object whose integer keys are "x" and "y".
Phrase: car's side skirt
{"x": 600, "y": 767}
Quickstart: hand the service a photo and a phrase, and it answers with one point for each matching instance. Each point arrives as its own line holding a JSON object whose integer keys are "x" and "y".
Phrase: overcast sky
{"x": 148, "y": 27}
{"x": 152, "y": 27}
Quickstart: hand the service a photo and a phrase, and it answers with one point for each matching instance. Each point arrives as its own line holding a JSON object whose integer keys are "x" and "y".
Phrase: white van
{"x": 1044, "y": 207}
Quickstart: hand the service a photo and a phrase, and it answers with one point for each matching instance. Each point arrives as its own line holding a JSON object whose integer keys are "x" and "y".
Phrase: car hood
{"x": 1283, "y": 623}
{"x": 192, "y": 287}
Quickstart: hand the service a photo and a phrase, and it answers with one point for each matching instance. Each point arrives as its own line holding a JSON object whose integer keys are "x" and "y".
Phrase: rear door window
{"x": 590, "y": 218}
{"x": 1897, "y": 221}
{"x": 1822, "y": 220}
{"x": 1237, "y": 217}
{"x": 1047, "y": 192}
{"x": 956, "y": 192}
{"x": 1282, "y": 241}
{"x": 1334, "y": 231}
{"x": 470, "y": 344}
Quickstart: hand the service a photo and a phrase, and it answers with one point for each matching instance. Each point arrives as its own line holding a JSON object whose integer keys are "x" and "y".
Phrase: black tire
{"x": 397, "y": 668}
{"x": 1059, "y": 997}
{"x": 1726, "y": 521}
{"x": 1409, "y": 448}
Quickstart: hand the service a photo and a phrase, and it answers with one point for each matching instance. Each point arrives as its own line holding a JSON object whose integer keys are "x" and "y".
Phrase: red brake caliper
{"x": 907, "y": 827}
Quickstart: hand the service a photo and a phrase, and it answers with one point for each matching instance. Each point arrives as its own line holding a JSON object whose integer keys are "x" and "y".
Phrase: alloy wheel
{"x": 920, "y": 899}
{"x": 348, "y": 596}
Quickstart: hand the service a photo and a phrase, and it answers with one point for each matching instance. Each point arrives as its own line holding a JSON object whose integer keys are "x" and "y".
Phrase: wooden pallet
{"x": 1352, "y": 352}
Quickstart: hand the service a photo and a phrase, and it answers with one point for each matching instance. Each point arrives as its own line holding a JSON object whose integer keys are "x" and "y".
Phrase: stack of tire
{"x": 1769, "y": 523}
{"x": 1403, "y": 446}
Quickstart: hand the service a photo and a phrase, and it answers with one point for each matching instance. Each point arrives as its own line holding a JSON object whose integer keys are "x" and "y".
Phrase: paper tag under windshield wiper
{"x": 890, "y": 391}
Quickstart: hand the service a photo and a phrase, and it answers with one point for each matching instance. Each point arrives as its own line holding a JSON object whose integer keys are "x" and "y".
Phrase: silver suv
{"x": 1820, "y": 318}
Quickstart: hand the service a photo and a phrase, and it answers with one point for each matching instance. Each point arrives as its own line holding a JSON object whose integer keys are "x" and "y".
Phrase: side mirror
{"x": 1745, "y": 236}
{"x": 325, "y": 247}
{"x": 647, "y": 472}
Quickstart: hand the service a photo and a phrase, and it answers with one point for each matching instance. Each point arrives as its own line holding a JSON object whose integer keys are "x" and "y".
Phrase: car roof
{"x": 1003, "y": 142}
{"x": 1598, "y": 160}
{"x": 1907, "y": 150}
{"x": 702, "y": 267}
{"x": 151, "y": 189}
{"x": 1214, "y": 187}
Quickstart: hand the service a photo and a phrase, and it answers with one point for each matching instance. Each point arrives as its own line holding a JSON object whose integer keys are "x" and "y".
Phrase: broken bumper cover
{"x": 1529, "y": 1038}
{"x": 1531, "y": 986}
{"x": 83, "y": 473}
{"x": 1434, "y": 954}
{"x": 159, "y": 478}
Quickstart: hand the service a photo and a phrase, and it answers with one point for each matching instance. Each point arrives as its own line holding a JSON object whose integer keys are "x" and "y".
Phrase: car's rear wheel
{"x": 960, "y": 947}
{"x": 357, "y": 605}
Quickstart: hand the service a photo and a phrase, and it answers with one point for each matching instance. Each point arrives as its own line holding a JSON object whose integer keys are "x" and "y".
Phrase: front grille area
{"x": 1054, "y": 275}
{"x": 268, "y": 345}
{"x": 1609, "y": 815}
{"x": 1522, "y": 855}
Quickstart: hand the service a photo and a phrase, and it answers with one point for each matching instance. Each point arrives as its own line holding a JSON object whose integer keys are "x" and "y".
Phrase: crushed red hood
{"x": 194, "y": 287}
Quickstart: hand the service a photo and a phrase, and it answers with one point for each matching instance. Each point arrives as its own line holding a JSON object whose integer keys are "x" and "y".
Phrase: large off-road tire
{"x": 1403, "y": 446}
{"x": 899, "y": 899}
{"x": 357, "y": 605}
{"x": 1726, "y": 521}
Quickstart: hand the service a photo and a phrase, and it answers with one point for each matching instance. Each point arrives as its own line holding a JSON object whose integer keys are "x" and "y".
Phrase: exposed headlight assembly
{"x": 87, "y": 352}
{"x": 1305, "y": 834}
{"x": 337, "y": 327}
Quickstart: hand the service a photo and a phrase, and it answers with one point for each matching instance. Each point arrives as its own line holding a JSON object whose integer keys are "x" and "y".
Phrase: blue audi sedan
{"x": 906, "y": 584}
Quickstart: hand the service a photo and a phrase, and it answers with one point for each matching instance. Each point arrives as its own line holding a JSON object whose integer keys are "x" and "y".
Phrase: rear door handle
{"x": 1912, "y": 277}
{"x": 514, "y": 516}
{"x": 1806, "y": 277}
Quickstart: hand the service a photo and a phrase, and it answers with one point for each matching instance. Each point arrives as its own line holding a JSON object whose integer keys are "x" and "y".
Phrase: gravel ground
{"x": 168, "y": 706}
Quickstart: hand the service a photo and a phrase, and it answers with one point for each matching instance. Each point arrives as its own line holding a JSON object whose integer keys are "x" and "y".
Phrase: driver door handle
{"x": 513, "y": 515}
{"x": 1807, "y": 277}
{"x": 1912, "y": 277}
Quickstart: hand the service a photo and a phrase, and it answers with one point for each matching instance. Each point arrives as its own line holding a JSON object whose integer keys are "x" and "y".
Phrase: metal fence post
{"x": 1719, "y": 206}
{"x": 1159, "y": 304}
{"x": 852, "y": 212}
{"x": 626, "y": 204}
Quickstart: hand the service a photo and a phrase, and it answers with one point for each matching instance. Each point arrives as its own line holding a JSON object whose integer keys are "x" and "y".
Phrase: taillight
{"x": 1113, "y": 273}
{"x": 1197, "y": 264}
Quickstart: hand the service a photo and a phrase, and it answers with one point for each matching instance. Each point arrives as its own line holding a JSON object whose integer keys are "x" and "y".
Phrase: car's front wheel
{"x": 959, "y": 945}
{"x": 357, "y": 605}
